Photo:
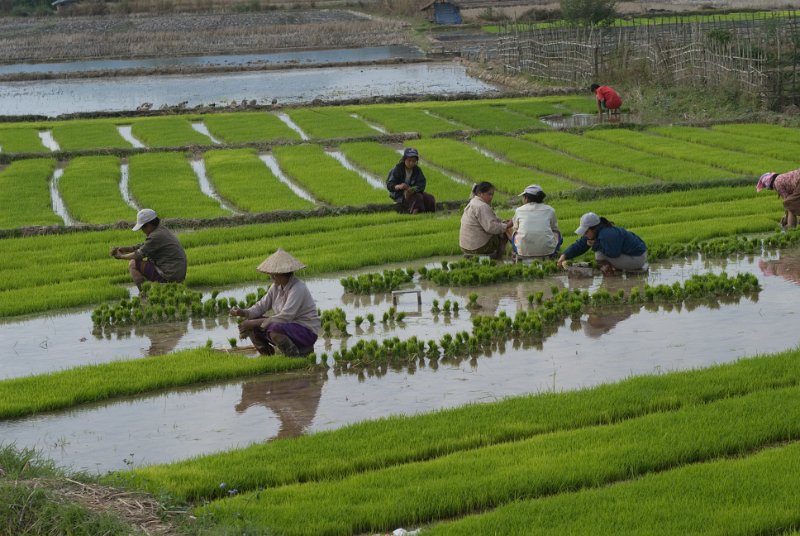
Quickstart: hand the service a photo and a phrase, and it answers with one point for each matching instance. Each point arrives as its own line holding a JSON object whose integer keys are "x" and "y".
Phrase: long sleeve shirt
{"x": 478, "y": 224}
{"x": 536, "y": 229}
{"x": 164, "y": 249}
{"x": 291, "y": 303}
{"x": 611, "y": 241}
{"x": 786, "y": 183}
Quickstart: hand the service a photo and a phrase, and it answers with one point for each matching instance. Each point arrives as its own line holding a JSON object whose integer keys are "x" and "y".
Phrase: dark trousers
{"x": 415, "y": 202}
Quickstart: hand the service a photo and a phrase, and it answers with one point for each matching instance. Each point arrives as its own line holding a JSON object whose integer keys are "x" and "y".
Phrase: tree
{"x": 589, "y": 12}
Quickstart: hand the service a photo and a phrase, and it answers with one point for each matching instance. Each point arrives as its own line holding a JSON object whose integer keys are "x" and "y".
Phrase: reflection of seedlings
{"x": 435, "y": 306}
{"x": 232, "y": 342}
{"x": 371, "y": 318}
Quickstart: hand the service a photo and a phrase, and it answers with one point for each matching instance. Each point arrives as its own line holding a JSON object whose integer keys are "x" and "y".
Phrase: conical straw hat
{"x": 280, "y": 262}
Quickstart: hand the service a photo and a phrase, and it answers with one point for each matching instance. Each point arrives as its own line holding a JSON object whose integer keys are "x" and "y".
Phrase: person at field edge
{"x": 294, "y": 325}
{"x": 614, "y": 248}
{"x": 787, "y": 185}
{"x": 482, "y": 232}
{"x": 607, "y": 99}
{"x": 406, "y": 184}
{"x": 535, "y": 231}
{"x": 160, "y": 258}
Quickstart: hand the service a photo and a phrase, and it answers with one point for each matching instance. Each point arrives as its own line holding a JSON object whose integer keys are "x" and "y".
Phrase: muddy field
{"x": 135, "y": 36}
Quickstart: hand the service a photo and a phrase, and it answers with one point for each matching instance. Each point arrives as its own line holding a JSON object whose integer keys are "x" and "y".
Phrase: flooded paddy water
{"x": 607, "y": 345}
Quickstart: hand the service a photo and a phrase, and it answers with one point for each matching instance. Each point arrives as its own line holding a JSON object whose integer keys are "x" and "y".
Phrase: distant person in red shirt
{"x": 607, "y": 99}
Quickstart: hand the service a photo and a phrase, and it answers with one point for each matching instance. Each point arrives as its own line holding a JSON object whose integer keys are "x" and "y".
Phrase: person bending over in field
{"x": 482, "y": 232}
{"x": 406, "y": 185}
{"x": 535, "y": 232}
{"x": 614, "y": 247}
{"x": 607, "y": 99}
{"x": 160, "y": 258}
{"x": 787, "y": 185}
{"x": 294, "y": 324}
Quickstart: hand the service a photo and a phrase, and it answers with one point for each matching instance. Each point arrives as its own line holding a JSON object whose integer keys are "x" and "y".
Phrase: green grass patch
{"x": 25, "y": 194}
{"x": 741, "y": 142}
{"x": 244, "y": 127}
{"x": 166, "y": 183}
{"x": 90, "y": 190}
{"x": 83, "y": 135}
{"x": 92, "y": 383}
{"x": 407, "y": 118}
{"x": 557, "y": 163}
{"x": 775, "y": 133}
{"x": 325, "y": 178}
{"x": 239, "y": 176}
{"x": 481, "y": 116}
{"x": 167, "y": 131}
{"x": 379, "y": 160}
{"x": 21, "y": 140}
{"x": 330, "y": 122}
{"x": 469, "y": 163}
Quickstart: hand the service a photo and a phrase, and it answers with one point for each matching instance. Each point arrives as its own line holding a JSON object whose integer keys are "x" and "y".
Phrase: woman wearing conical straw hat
{"x": 294, "y": 324}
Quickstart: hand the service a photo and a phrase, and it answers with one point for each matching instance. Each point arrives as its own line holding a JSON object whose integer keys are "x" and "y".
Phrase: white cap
{"x": 590, "y": 219}
{"x": 280, "y": 262}
{"x": 146, "y": 215}
{"x": 533, "y": 189}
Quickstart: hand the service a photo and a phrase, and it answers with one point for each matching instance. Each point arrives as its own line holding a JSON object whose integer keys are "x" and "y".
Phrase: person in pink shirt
{"x": 607, "y": 99}
{"x": 787, "y": 185}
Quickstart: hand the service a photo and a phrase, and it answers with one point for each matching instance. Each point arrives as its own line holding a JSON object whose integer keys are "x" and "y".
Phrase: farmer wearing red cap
{"x": 406, "y": 185}
{"x": 607, "y": 99}
{"x": 787, "y": 185}
{"x": 160, "y": 258}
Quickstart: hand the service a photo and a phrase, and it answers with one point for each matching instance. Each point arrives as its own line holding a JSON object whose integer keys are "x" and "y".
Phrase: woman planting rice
{"x": 536, "y": 231}
{"x": 787, "y": 185}
{"x": 482, "y": 232}
{"x": 294, "y": 325}
{"x": 614, "y": 248}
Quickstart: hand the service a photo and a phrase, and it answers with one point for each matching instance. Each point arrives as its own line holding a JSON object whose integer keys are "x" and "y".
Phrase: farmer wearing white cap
{"x": 294, "y": 324}
{"x": 787, "y": 185}
{"x": 160, "y": 258}
{"x": 614, "y": 248}
{"x": 406, "y": 184}
{"x": 536, "y": 231}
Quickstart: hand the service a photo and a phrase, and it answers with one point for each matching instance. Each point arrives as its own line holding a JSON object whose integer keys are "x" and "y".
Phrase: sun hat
{"x": 280, "y": 262}
{"x": 143, "y": 217}
{"x": 410, "y": 153}
{"x": 533, "y": 189}
{"x": 590, "y": 219}
{"x": 764, "y": 181}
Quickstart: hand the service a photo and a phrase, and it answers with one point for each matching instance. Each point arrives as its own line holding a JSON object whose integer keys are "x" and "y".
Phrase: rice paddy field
{"x": 511, "y": 399}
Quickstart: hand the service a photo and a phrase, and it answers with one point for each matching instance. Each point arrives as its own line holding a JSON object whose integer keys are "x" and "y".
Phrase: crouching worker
{"x": 536, "y": 233}
{"x": 406, "y": 184}
{"x": 160, "y": 258}
{"x": 294, "y": 324}
{"x": 482, "y": 232}
{"x": 787, "y": 186}
{"x": 614, "y": 248}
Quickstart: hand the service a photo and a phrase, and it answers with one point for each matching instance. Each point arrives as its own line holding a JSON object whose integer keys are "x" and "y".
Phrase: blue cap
{"x": 410, "y": 153}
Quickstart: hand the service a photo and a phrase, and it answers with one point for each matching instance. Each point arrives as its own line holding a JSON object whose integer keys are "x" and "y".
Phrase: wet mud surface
{"x": 603, "y": 346}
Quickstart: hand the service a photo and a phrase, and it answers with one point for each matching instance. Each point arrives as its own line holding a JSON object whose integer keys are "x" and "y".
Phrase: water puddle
{"x": 272, "y": 164}
{"x": 55, "y": 198}
{"x": 56, "y": 97}
{"x": 342, "y": 159}
{"x": 488, "y": 154}
{"x": 124, "y": 181}
{"x": 294, "y": 126}
{"x": 126, "y": 131}
{"x": 343, "y": 55}
{"x": 604, "y": 346}
{"x": 200, "y": 127}
{"x": 199, "y": 167}
{"x": 48, "y": 141}
{"x": 371, "y": 125}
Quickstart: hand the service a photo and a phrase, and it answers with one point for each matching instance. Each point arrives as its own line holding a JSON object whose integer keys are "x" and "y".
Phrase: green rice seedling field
{"x": 407, "y": 118}
{"x": 239, "y": 176}
{"x": 326, "y": 179}
{"x": 746, "y": 145}
{"x": 166, "y": 183}
{"x": 762, "y": 131}
{"x": 487, "y": 117}
{"x": 20, "y": 139}
{"x": 467, "y": 162}
{"x": 379, "y": 160}
{"x": 552, "y": 106}
{"x": 331, "y": 122}
{"x": 88, "y": 134}
{"x": 90, "y": 190}
{"x": 168, "y": 131}
{"x": 681, "y": 143}
{"x": 244, "y": 127}
{"x": 25, "y": 194}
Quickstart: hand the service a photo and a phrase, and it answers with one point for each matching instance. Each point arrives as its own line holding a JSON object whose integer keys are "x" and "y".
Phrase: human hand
{"x": 235, "y": 311}
{"x": 115, "y": 252}
{"x": 247, "y": 326}
{"x": 562, "y": 262}
{"x": 590, "y": 242}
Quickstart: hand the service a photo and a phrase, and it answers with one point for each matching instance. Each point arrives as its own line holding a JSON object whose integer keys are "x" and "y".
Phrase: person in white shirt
{"x": 536, "y": 232}
{"x": 294, "y": 325}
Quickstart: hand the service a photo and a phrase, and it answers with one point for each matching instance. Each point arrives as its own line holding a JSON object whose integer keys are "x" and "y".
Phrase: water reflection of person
{"x": 163, "y": 337}
{"x": 294, "y": 400}
{"x": 781, "y": 268}
{"x": 598, "y": 324}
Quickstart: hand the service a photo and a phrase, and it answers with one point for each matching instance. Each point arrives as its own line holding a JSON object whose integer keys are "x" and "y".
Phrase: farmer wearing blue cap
{"x": 160, "y": 258}
{"x": 406, "y": 185}
{"x": 614, "y": 248}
